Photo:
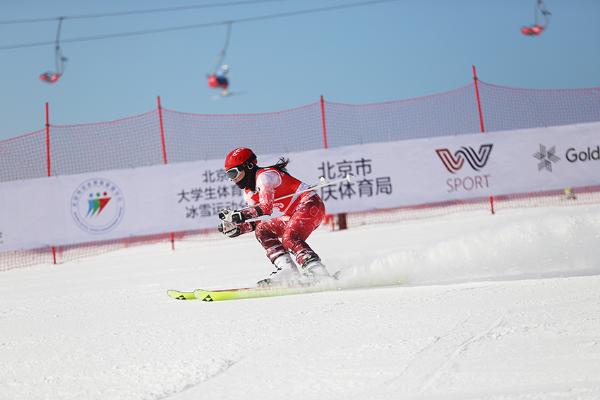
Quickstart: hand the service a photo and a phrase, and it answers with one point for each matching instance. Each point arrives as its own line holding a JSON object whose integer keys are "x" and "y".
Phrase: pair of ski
{"x": 254, "y": 292}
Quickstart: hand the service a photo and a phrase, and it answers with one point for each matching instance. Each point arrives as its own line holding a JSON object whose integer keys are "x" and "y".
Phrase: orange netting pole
{"x": 481, "y": 125}
{"x": 48, "y": 163}
{"x": 164, "y": 153}
{"x": 325, "y": 146}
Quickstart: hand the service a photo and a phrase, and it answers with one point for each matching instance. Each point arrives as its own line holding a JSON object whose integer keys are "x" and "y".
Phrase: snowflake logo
{"x": 546, "y": 157}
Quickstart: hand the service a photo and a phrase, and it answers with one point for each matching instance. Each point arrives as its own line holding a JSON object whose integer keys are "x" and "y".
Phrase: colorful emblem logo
{"x": 97, "y": 205}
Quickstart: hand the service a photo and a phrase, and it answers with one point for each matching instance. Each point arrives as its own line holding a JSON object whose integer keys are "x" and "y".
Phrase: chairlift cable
{"x": 199, "y": 26}
{"x": 135, "y": 12}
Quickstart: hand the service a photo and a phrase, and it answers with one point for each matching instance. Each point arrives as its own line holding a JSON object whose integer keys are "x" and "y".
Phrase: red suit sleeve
{"x": 266, "y": 183}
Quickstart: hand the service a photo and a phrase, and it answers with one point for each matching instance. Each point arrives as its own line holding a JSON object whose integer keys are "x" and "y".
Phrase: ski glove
{"x": 229, "y": 229}
{"x": 231, "y": 216}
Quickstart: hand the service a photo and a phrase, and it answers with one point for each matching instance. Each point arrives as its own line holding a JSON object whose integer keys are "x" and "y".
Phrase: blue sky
{"x": 382, "y": 52}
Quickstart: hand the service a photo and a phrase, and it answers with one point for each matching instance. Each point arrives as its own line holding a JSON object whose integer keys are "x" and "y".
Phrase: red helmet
{"x": 238, "y": 157}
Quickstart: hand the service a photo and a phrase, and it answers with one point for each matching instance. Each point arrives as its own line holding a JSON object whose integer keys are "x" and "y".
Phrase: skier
{"x": 219, "y": 80}
{"x": 283, "y": 235}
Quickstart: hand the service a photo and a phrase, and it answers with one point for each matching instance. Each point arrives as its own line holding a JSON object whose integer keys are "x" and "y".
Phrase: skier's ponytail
{"x": 280, "y": 165}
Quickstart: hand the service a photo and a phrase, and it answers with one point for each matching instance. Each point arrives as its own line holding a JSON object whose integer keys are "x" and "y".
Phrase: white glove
{"x": 234, "y": 216}
{"x": 229, "y": 229}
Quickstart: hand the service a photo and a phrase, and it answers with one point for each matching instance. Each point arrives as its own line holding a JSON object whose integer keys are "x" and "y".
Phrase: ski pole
{"x": 322, "y": 183}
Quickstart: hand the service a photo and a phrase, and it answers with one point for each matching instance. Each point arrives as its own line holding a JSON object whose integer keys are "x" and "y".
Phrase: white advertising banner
{"x": 187, "y": 196}
{"x": 422, "y": 171}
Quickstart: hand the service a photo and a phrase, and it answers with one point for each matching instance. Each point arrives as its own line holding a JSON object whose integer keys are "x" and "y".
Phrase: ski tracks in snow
{"x": 429, "y": 364}
{"x": 196, "y": 377}
{"x": 450, "y": 341}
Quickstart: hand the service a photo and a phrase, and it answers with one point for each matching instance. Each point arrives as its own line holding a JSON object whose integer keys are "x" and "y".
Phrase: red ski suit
{"x": 302, "y": 214}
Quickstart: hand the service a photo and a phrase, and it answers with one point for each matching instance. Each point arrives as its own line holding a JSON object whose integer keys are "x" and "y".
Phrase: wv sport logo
{"x": 476, "y": 160}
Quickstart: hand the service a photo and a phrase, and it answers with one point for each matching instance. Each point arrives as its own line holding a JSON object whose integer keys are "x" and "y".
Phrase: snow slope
{"x": 492, "y": 307}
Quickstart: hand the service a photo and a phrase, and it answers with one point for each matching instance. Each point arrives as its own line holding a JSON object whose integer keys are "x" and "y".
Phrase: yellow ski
{"x": 251, "y": 293}
{"x": 176, "y": 294}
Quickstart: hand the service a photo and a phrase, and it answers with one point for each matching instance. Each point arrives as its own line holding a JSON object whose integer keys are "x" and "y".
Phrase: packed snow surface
{"x": 468, "y": 306}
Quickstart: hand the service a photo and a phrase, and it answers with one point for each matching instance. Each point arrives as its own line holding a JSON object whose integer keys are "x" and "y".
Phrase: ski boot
{"x": 285, "y": 274}
{"x": 315, "y": 270}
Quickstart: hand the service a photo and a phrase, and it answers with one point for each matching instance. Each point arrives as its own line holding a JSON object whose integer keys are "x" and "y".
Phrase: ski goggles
{"x": 234, "y": 173}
